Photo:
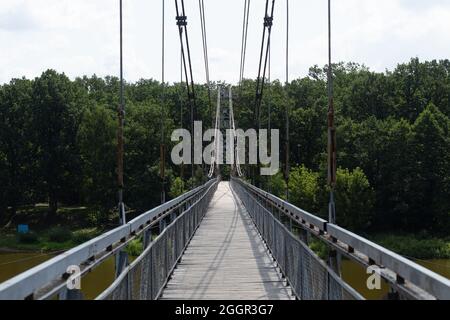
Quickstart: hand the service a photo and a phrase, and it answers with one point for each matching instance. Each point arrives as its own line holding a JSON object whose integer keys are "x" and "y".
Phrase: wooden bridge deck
{"x": 226, "y": 258}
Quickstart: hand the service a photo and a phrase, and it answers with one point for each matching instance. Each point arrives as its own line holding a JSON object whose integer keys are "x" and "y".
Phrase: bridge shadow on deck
{"x": 226, "y": 258}
{"x": 273, "y": 287}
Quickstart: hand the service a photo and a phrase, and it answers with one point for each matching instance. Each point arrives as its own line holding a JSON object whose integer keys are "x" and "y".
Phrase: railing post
{"x": 303, "y": 236}
{"x": 70, "y": 294}
{"x": 121, "y": 262}
{"x": 162, "y": 225}
{"x": 147, "y": 238}
{"x": 173, "y": 216}
{"x": 334, "y": 261}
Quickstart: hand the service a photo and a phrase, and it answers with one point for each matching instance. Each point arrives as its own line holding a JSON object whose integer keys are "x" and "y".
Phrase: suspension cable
{"x": 269, "y": 111}
{"x": 201, "y": 5}
{"x": 187, "y": 64}
{"x": 269, "y": 80}
{"x": 263, "y": 60}
{"x": 180, "y": 93}
{"x": 244, "y": 40}
{"x": 287, "y": 147}
{"x": 120, "y": 133}
{"x": 214, "y": 160}
{"x": 331, "y": 128}
{"x": 262, "y": 69}
{"x": 233, "y": 128}
{"x": 163, "y": 147}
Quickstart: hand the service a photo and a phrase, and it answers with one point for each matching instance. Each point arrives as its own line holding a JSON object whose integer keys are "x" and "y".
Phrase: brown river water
{"x": 99, "y": 279}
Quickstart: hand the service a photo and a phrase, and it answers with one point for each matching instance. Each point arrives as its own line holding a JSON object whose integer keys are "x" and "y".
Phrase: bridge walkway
{"x": 226, "y": 259}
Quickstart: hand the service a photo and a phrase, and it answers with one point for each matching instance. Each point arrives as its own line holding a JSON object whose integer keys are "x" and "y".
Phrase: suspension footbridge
{"x": 228, "y": 239}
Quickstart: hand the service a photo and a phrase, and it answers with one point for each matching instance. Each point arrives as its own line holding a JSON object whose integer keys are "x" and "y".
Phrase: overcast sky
{"x": 80, "y": 37}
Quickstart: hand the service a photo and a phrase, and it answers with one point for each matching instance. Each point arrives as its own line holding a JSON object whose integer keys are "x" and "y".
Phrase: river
{"x": 99, "y": 279}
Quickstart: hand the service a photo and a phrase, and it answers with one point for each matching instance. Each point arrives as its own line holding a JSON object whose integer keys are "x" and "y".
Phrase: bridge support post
{"x": 74, "y": 295}
{"x": 162, "y": 225}
{"x": 67, "y": 294}
{"x": 334, "y": 261}
{"x": 121, "y": 262}
{"x": 303, "y": 235}
{"x": 147, "y": 238}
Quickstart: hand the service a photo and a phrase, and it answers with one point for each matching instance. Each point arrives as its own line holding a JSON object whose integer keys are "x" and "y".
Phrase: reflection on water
{"x": 94, "y": 283}
{"x": 441, "y": 266}
{"x": 356, "y": 276}
{"x": 101, "y": 277}
{"x": 11, "y": 264}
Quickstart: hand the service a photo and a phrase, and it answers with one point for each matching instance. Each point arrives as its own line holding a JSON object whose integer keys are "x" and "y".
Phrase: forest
{"x": 58, "y": 146}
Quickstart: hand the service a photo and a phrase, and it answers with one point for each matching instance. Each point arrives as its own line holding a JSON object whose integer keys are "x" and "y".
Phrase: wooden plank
{"x": 226, "y": 259}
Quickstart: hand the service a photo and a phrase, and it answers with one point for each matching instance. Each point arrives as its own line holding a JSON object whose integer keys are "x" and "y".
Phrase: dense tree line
{"x": 58, "y": 142}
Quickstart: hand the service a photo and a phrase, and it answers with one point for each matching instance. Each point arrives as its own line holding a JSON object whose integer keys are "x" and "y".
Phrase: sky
{"x": 81, "y": 37}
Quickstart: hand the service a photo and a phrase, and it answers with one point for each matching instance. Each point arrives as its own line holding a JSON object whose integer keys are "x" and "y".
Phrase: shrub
{"x": 59, "y": 234}
{"x": 97, "y": 216}
{"x": 320, "y": 248}
{"x": 276, "y": 185}
{"x": 177, "y": 188}
{"x": 30, "y": 237}
{"x": 84, "y": 235}
{"x": 135, "y": 248}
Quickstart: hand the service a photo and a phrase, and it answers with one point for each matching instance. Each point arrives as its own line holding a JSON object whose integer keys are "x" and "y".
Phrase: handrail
{"x": 427, "y": 280}
{"x": 108, "y": 291}
{"x": 406, "y": 269}
{"x": 27, "y": 283}
{"x": 299, "y": 214}
{"x": 292, "y": 275}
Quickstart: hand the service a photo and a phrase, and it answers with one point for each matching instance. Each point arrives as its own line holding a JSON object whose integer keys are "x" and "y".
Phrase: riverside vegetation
{"x": 58, "y": 152}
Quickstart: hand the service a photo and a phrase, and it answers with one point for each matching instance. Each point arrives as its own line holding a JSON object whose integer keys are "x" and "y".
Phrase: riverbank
{"x": 50, "y": 240}
{"x": 60, "y": 239}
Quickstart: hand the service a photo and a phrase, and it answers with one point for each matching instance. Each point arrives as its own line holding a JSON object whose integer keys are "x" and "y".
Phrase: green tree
{"x": 177, "y": 188}
{"x": 97, "y": 145}
{"x": 17, "y": 161}
{"x": 57, "y": 110}
{"x": 392, "y": 177}
{"x": 275, "y": 184}
{"x": 431, "y": 171}
{"x": 354, "y": 200}
{"x": 304, "y": 189}
{"x": 142, "y": 153}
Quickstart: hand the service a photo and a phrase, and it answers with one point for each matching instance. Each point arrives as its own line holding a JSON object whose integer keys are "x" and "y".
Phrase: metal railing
{"x": 49, "y": 278}
{"x": 309, "y": 277}
{"x": 147, "y": 276}
{"x": 406, "y": 279}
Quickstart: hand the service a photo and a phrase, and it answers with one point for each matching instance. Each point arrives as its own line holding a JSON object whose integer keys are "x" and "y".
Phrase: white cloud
{"x": 81, "y": 37}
